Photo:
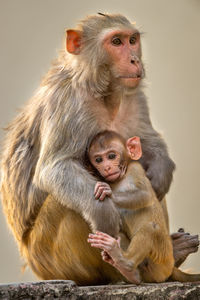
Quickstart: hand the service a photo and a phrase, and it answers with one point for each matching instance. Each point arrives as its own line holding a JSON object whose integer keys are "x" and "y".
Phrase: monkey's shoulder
{"x": 135, "y": 170}
{"x": 136, "y": 173}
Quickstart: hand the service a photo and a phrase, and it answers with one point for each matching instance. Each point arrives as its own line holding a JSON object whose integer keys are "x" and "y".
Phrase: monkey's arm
{"x": 155, "y": 159}
{"x": 134, "y": 191}
{"x": 68, "y": 182}
{"x": 64, "y": 177}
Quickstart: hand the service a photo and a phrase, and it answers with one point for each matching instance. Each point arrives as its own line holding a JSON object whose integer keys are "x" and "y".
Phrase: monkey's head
{"x": 109, "y": 45}
{"x": 110, "y": 154}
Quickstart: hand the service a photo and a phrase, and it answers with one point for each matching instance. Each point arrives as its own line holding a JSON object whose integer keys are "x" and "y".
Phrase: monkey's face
{"x": 108, "y": 161}
{"x": 124, "y": 54}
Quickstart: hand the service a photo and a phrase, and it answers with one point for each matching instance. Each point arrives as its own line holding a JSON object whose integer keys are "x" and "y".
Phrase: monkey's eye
{"x": 112, "y": 156}
{"x": 133, "y": 40}
{"x": 116, "y": 41}
{"x": 98, "y": 160}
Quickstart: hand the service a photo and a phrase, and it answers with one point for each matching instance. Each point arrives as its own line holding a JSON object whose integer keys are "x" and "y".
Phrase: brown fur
{"x": 44, "y": 182}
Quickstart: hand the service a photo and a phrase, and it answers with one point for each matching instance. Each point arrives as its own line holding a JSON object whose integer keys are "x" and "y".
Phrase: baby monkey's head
{"x": 110, "y": 153}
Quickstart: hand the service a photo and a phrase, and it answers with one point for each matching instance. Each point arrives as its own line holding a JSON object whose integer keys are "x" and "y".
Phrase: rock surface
{"x": 69, "y": 290}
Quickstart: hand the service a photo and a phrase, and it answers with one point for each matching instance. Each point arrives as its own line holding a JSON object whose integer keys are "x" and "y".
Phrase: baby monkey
{"x": 148, "y": 256}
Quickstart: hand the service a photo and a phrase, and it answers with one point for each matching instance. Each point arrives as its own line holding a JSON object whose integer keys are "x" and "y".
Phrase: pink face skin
{"x": 124, "y": 51}
{"x": 107, "y": 162}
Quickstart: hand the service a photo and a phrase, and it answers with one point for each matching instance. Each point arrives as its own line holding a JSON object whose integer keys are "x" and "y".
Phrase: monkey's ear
{"x": 73, "y": 41}
{"x": 134, "y": 148}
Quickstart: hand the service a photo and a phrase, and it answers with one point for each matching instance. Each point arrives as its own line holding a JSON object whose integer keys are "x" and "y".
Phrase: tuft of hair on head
{"x": 101, "y": 14}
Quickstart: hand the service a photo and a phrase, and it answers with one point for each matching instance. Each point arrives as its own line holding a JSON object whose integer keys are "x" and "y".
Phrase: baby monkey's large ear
{"x": 134, "y": 148}
{"x": 73, "y": 41}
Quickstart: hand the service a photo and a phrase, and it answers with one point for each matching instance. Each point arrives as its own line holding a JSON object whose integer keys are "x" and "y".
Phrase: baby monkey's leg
{"x": 112, "y": 254}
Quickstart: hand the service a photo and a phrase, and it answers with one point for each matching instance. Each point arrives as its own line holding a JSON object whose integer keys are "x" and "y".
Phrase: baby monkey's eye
{"x": 98, "y": 160}
{"x": 112, "y": 156}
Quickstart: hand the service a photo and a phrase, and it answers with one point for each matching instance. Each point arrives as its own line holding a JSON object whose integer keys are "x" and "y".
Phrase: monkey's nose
{"x": 107, "y": 168}
{"x": 134, "y": 59}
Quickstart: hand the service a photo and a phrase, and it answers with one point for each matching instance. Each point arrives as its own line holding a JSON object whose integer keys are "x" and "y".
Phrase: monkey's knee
{"x": 151, "y": 272}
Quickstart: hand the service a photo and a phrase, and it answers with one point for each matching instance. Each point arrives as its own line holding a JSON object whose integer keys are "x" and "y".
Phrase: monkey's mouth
{"x": 112, "y": 177}
{"x": 132, "y": 76}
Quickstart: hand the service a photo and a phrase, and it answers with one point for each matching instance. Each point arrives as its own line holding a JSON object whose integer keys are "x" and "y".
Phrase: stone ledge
{"x": 55, "y": 289}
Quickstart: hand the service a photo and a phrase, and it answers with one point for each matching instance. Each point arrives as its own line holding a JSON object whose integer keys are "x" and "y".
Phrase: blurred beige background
{"x": 31, "y": 32}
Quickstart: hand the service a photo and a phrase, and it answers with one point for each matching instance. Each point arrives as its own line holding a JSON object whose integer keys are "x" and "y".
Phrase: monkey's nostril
{"x": 132, "y": 61}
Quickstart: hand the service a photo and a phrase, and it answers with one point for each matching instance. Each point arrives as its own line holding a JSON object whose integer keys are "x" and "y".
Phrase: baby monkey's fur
{"x": 150, "y": 248}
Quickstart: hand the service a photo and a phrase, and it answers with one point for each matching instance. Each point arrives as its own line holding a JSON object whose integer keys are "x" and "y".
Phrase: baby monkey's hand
{"x": 101, "y": 190}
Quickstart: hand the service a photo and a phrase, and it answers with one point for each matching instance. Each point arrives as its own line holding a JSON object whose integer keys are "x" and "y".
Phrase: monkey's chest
{"x": 124, "y": 121}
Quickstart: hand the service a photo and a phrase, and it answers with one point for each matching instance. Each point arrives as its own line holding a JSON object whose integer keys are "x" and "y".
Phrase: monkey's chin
{"x": 130, "y": 82}
{"x": 113, "y": 177}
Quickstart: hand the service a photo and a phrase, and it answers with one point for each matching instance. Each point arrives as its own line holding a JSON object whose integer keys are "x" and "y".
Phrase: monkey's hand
{"x": 160, "y": 173}
{"x": 183, "y": 245}
{"x": 111, "y": 247}
{"x": 101, "y": 190}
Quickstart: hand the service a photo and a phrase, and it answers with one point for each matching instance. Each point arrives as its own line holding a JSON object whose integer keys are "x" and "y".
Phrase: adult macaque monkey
{"x": 142, "y": 216}
{"x": 47, "y": 193}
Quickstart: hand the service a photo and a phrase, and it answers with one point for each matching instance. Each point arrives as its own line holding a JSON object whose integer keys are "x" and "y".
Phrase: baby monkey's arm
{"x": 134, "y": 191}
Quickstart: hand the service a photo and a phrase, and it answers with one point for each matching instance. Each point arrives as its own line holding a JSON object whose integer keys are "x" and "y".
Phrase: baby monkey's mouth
{"x": 113, "y": 176}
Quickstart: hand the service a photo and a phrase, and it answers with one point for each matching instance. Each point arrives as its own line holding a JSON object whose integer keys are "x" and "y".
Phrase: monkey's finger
{"x": 100, "y": 237}
{"x": 99, "y": 191}
{"x": 97, "y": 186}
{"x": 193, "y": 249}
{"x": 102, "y": 241}
{"x": 102, "y": 188}
{"x": 109, "y": 240}
{"x": 105, "y": 235}
{"x": 177, "y": 235}
{"x": 100, "y": 184}
{"x": 107, "y": 243}
{"x": 104, "y": 194}
{"x": 186, "y": 244}
{"x": 100, "y": 245}
{"x": 104, "y": 254}
{"x": 107, "y": 258}
{"x": 187, "y": 238}
{"x": 189, "y": 241}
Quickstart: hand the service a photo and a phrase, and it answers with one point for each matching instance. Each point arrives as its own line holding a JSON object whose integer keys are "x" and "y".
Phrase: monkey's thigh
{"x": 57, "y": 248}
{"x": 150, "y": 247}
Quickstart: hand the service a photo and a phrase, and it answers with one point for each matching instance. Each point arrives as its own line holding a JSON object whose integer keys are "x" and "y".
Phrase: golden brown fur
{"x": 149, "y": 247}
